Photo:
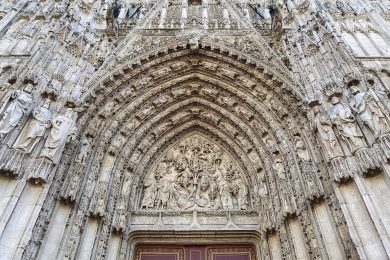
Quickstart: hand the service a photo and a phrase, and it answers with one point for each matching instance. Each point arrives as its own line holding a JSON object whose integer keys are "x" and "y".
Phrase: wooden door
{"x": 209, "y": 252}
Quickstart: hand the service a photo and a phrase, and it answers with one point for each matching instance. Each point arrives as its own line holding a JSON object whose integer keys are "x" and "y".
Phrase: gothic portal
{"x": 194, "y": 130}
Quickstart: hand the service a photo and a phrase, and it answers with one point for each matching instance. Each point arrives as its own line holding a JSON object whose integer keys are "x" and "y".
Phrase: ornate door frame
{"x": 214, "y": 239}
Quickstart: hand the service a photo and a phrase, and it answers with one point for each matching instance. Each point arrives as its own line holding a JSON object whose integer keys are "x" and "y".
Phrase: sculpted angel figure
{"x": 62, "y": 128}
{"x": 35, "y": 128}
{"x": 18, "y": 105}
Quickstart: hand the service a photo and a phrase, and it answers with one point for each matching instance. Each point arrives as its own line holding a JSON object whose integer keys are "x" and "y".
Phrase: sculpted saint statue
{"x": 341, "y": 116}
{"x": 62, "y": 128}
{"x": 323, "y": 126}
{"x": 35, "y": 128}
{"x": 18, "y": 105}
{"x": 368, "y": 111}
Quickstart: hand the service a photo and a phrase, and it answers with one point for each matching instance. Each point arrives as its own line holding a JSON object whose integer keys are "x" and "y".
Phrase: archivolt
{"x": 139, "y": 113}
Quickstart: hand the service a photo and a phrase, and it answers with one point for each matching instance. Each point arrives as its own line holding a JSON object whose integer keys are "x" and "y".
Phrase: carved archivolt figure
{"x": 17, "y": 106}
{"x": 302, "y": 152}
{"x": 84, "y": 151}
{"x": 35, "y": 128}
{"x": 342, "y": 117}
{"x": 195, "y": 174}
{"x": 368, "y": 111}
{"x": 323, "y": 125}
{"x": 62, "y": 128}
{"x": 5, "y": 94}
{"x": 279, "y": 166}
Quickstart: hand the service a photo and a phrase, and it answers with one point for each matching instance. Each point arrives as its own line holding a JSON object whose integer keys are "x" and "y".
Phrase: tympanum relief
{"x": 195, "y": 174}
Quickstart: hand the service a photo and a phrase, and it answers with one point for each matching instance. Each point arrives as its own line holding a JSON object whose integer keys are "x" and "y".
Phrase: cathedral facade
{"x": 194, "y": 129}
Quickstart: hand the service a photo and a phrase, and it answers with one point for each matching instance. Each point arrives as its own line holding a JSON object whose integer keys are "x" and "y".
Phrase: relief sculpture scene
{"x": 195, "y": 129}
{"x": 195, "y": 174}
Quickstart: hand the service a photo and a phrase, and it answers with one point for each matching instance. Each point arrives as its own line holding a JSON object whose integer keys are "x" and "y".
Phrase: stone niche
{"x": 195, "y": 183}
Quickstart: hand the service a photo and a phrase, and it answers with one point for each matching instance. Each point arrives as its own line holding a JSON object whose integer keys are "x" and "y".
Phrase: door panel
{"x": 162, "y": 252}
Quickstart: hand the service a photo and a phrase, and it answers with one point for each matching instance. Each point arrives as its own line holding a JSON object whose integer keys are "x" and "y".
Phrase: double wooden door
{"x": 228, "y": 252}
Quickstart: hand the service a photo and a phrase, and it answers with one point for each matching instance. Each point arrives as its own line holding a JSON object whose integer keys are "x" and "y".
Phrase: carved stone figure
{"x": 195, "y": 173}
{"x": 381, "y": 92}
{"x": 323, "y": 125}
{"x": 17, "y": 107}
{"x": 62, "y": 128}
{"x": 276, "y": 17}
{"x": 240, "y": 191}
{"x": 85, "y": 150}
{"x": 368, "y": 111}
{"x": 302, "y": 152}
{"x": 5, "y": 92}
{"x": 35, "y": 128}
{"x": 342, "y": 117}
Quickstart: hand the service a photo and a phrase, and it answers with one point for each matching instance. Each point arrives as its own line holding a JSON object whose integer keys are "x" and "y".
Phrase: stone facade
{"x": 194, "y": 122}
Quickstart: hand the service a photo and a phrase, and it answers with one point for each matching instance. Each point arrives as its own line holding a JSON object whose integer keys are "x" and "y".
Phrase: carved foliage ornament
{"x": 195, "y": 174}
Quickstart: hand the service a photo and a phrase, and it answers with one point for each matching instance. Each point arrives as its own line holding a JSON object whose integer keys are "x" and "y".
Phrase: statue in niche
{"x": 342, "y": 117}
{"x": 195, "y": 174}
{"x": 322, "y": 124}
{"x": 15, "y": 108}
{"x": 62, "y": 128}
{"x": 368, "y": 111}
{"x": 85, "y": 150}
{"x": 279, "y": 166}
{"x": 381, "y": 92}
{"x": 302, "y": 152}
{"x": 35, "y": 128}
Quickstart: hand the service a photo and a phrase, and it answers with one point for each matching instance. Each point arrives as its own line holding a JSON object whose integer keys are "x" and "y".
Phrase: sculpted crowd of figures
{"x": 195, "y": 174}
{"x": 16, "y": 107}
{"x": 347, "y": 119}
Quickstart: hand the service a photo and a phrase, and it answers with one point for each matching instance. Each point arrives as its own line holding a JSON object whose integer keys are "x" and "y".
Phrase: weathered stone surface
{"x": 129, "y": 122}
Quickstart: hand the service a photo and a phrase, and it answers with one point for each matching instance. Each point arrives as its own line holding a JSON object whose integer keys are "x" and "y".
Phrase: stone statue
{"x": 342, "y": 117}
{"x": 150, "y": 192}
{"x": 368, "y": 111}
{"x": 17, "y": 107}
{"x": 322, "y": 124}
{"x": 195, "y": 174}
{"x": 279, "y": 166}
{"x": 84, "y": 151}
{"x": 302, "y": 152}
{"x": 276, "y": 17}
{"x": 240, "y": 191}
{"x": 5, "y": 95}
{"x": 35, "y": 128}
{"x": 62, "y": 128}
{"x": 381, "y": 92}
